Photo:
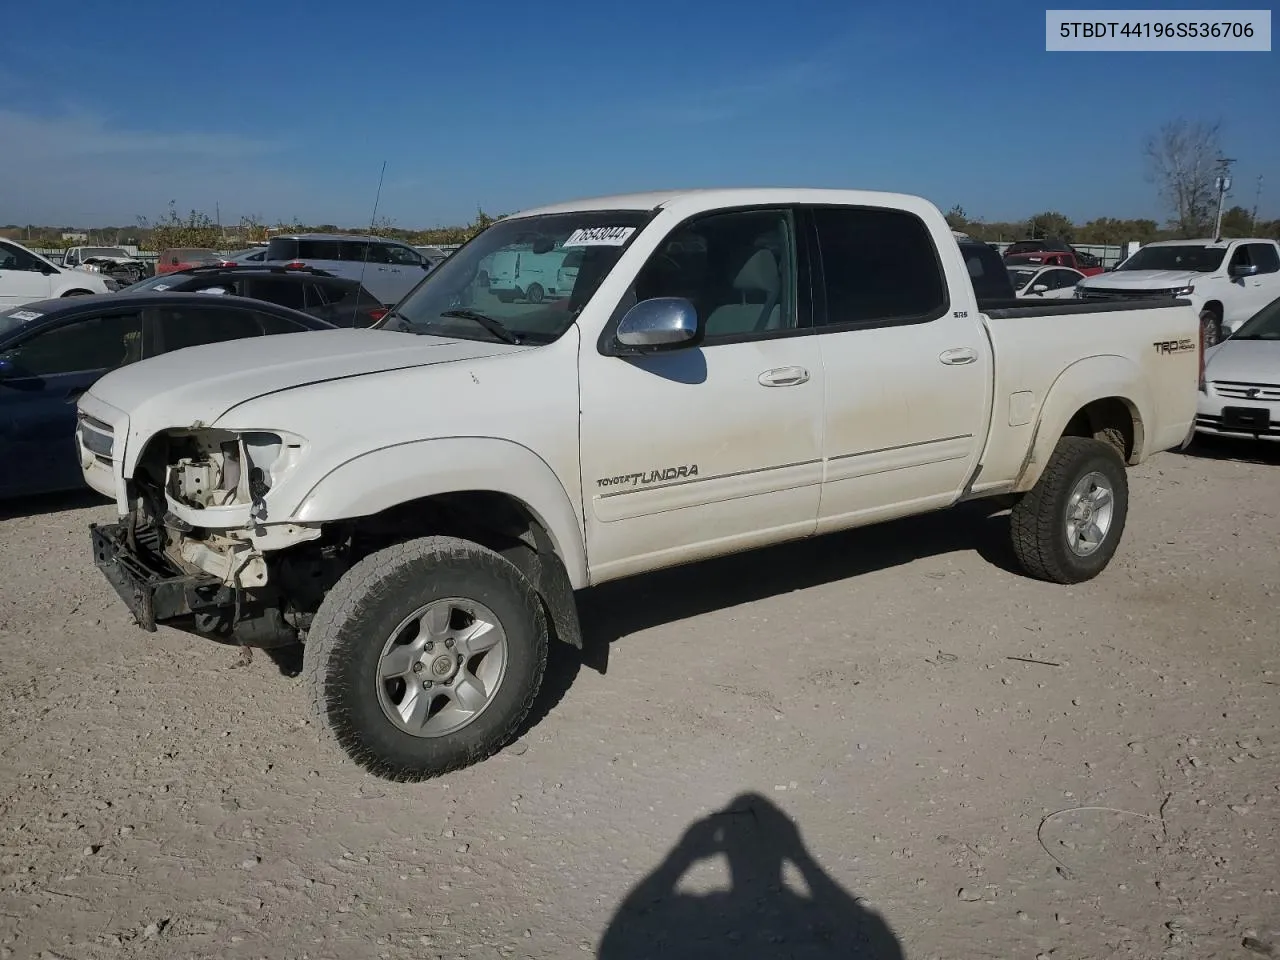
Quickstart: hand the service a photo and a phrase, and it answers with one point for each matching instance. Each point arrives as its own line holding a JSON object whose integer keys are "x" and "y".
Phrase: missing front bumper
{"x": 154, "y": 590}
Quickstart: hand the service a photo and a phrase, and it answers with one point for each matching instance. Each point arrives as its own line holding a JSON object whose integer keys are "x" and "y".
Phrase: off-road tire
{"x": 1039, "y": 520}
{"x": 344, "y": 645}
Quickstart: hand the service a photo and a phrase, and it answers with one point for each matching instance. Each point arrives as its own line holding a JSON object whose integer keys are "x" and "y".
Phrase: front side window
{"x": 403, "y": 256}
{"x": 1261, "y": 255}
{"x": 94, "y": 343}
{"x": 878, "y": 266}
{"x": 736, "y": 268}
{"x": 506, "y": 273}
{"x": 15, "y": 258}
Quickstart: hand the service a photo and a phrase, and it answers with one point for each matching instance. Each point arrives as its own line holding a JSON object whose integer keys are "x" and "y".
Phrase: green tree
{"x": 1237, "y": 222}
{"x": 171, "y": 230}
{"x": 957, "y": 219}
{"x": 1051, "y": 224}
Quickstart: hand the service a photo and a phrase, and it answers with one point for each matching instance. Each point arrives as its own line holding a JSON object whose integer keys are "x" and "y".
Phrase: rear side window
{"x": 989, "y": 274}
{"x": 879, "y": 266}
{"x": 185, "y": 326}
{"x": 287, "y": 293}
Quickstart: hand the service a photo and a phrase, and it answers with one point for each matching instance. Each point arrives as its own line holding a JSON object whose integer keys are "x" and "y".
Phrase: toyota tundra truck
{"x": 419, "y": 503}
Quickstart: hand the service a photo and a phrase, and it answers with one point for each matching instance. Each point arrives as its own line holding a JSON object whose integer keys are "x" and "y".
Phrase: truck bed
{"x": 1053, "y": 358}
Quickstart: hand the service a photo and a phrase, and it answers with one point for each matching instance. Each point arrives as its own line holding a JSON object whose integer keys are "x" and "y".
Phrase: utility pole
{"x": 1257, "y": 196}
{"x": 1223, "y": 184}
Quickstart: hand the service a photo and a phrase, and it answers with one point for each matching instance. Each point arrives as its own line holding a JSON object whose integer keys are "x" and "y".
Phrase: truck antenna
{"x": 373, "y": 219}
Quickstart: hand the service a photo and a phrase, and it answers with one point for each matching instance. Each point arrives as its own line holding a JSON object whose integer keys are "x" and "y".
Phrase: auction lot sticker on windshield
{"x": 26, "y": 315}
{"x": 599, "y": 237}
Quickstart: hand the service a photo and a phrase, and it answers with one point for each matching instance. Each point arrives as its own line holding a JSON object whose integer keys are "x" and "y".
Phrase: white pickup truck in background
{"x": 1227, "y": 281}
{"x": 419, "y": 503}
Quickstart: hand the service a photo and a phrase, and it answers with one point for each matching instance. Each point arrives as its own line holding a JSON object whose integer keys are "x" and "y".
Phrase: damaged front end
{"x": 197, "y": 549}
{"x": 123, "y": 272}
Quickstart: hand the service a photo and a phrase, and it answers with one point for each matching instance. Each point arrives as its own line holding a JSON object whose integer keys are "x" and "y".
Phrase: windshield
{"x": 1263, "y": 325}
{"x": 1197, "y": 259}
{"x": 511, "y": 273}
{"x": 87, "y": 252}
{"x": 1020, "y": 278}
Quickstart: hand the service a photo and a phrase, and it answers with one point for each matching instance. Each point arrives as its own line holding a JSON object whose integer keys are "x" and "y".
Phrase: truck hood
{"x": 1244, "y": 361}
{"x": 200, "y": 384}
{"x": 1144, "y": 279}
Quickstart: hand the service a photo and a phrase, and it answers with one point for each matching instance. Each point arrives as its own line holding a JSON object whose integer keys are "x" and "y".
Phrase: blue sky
{"x": 288, "y": 110}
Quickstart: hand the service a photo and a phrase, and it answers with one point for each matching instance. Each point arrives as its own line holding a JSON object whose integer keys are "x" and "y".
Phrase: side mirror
{"x": 47, "y": 270}
{"x": 1244, "y": 270}
{"x": 1040, "y": 288}
{"x": 662, "y": 323}
{"x": 7, "y": 368}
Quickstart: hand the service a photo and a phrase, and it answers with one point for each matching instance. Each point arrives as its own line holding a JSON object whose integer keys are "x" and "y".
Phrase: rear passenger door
{"x": 907, "y": 373}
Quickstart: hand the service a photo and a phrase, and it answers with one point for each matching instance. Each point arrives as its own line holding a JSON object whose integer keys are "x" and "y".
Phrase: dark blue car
{"x": 52, "y": 351}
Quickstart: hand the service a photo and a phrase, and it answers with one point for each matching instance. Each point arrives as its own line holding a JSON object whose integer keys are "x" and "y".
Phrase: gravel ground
{"x": 826, "y": 749}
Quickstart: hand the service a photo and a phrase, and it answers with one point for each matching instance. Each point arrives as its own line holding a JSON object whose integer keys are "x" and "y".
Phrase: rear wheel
{"x": 425, "y": 657}
{"x": 535, "y": 293}
{"x": 1067, "y": 528}
{"x": 77, "y": 293}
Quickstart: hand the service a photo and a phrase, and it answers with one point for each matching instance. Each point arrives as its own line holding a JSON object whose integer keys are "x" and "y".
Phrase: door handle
{"x": 784, "y": 377}
{"x": 958, "y": 355}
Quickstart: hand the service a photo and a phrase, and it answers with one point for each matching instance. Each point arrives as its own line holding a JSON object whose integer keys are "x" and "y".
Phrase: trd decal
{"x": 649, "y": 477}
{"x": 1174, "y": 346}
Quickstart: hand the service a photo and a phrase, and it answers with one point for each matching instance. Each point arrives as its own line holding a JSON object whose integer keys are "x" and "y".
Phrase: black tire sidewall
{"x": 355, "y": 715}
{"x": 1100, "y": 458}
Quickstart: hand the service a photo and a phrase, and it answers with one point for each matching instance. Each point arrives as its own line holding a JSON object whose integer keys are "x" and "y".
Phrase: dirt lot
{"x": 159, "y": 801}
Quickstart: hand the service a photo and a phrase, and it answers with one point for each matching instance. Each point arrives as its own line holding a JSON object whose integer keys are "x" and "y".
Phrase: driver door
{"x": 713, "y": 448}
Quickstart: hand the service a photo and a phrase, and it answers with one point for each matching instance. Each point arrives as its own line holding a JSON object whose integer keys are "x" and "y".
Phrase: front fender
{"x": 393, "y": 475}
{"x": 1078, "y": 385}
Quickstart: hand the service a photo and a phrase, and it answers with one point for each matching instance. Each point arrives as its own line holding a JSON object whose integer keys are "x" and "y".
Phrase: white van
{"x": 526, "y": 275}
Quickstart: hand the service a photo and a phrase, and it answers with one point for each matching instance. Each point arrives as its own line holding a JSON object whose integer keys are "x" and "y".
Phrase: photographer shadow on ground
{"x": 767, "y": 911}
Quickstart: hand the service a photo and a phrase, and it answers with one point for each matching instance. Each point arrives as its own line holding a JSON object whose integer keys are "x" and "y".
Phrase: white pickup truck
{"x": 419, "y": 502}
{"x": 1227, "y": 281}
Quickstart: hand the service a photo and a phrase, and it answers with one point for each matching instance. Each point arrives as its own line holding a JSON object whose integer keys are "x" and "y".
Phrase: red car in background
{"x": 184, "y": 258}
{"x": 1056, "y": 258}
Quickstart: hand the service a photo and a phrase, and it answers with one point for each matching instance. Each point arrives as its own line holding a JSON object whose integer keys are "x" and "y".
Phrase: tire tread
{"x": 371, "y": 579}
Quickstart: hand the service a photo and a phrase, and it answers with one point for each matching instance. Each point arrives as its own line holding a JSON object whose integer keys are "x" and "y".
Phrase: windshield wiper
{"x": 493, "y": 326}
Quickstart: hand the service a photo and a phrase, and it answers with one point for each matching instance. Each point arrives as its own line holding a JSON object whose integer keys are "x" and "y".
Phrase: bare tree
{"x": 1181, "y": 161}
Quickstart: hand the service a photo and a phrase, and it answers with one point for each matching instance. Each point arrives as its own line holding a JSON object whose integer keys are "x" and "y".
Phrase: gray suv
{"x": 386, "y": 268}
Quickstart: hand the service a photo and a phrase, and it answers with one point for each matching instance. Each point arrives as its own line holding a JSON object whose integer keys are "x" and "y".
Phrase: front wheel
{"x": 1067, "y": 528}
{"x": 425, "y": 657}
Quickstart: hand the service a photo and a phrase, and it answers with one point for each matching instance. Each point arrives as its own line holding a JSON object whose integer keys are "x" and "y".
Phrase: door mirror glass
{"x": 662, "y": 323}
{"x": 1244, "y": 270}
